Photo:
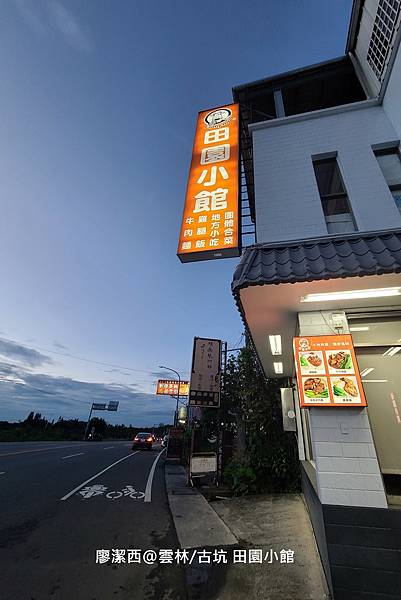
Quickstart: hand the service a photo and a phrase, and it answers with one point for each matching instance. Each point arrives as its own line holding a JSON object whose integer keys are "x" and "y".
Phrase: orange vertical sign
{"x": 327, "y": 371}
{"x": 210, "y": 222}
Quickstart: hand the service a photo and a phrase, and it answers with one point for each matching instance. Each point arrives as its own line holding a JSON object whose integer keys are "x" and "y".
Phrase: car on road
{"x": 142, "y": 440}
{"x": 95, "y": 437}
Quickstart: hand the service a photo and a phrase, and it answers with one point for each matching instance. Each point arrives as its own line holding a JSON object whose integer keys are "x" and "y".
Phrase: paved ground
{"x": 272, "y": 523}
{"x": 197, "y": 524}
{"x": 48, "y": 544}
{"x": 265, "y": 525}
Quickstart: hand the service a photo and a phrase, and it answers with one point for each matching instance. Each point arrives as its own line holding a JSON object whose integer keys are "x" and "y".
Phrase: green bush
{"x": 240, "y": 477}
{"x": 251, "y": 408}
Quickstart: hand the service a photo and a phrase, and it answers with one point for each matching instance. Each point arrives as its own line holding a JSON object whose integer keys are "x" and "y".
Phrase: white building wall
{"x": 392, "y": 97}
{"x": 347, "y": 468}
{"x": 288, "y": 204}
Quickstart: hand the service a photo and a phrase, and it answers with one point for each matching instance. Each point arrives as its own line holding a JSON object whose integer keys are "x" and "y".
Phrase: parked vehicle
{"x": 143, "y": 440}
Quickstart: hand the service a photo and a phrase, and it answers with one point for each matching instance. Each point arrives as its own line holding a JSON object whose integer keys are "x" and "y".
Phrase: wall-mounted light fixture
{"x": 352, "y": 294}
{"x": 278, "y": 367}
{"x": 275, "y": 344}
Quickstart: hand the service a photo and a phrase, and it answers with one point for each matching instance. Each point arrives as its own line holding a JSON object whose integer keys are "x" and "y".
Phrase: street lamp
{"x": 178, "y": 394}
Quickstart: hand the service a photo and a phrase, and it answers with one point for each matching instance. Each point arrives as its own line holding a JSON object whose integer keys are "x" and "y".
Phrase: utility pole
{"x": 178, "y": 392}
{"x": 87, "y": 425}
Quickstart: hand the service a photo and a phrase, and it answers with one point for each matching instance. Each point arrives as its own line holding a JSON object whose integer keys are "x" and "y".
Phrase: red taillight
{"x": 149, "y": 439}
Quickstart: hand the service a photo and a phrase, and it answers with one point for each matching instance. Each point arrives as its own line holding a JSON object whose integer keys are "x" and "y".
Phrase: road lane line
{"x": 97, "y": 475}
{"x": 3, "y": 473}
{"x": 37, "y": 450}
{"x": 148, "y": 489}
{"x": 108, "y": 448}
{"x": 71, "y": 455}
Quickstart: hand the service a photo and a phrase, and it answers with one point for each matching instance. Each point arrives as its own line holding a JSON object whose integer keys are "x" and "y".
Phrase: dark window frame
{"x": 325, "y": 198}
{"x": 390, "y": 151}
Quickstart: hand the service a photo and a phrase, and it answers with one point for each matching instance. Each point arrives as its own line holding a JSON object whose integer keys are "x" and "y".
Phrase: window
{"x": 390, "y": 164}
{"x": 376, "y": 337}
{"x": 334, "y": 198}
{"x": 383, "y": 29}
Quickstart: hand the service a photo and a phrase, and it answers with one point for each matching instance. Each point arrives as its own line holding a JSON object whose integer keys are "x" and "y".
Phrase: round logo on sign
{"x": 218, "y": 117}
{"x": 303, "y": 344}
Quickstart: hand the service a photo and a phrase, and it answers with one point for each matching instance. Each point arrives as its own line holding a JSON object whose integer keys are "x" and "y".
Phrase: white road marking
{"x": 97, "y": 475}
{"x": 108, "y": 448}
{"x": 148, "y": 489}
{"x": 38, "y": 450}
{"x": 71, "y": 455}
{"x": 3, "y": 473}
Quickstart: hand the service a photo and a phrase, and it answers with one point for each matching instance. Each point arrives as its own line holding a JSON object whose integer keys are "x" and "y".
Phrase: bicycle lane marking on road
{"x": 76, "y": 489}
{"x": 148, "y": 489}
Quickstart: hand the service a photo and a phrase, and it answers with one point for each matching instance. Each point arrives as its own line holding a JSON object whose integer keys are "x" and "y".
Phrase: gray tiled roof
{"x": 328, "y": 258}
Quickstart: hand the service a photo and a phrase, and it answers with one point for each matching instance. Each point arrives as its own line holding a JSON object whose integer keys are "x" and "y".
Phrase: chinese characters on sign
{"x": 327, "y": 371}
{"x": 204, "y": 388}
{"x": 169, "y": 387}
{"x": 168, "y": 556}
{"x": 210, "y": 223}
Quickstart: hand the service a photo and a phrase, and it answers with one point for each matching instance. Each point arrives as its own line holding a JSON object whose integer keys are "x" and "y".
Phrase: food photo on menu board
{"x": 340, "y": 361}
{"x": 311, "y": 363}
{"x": 316, "y": 389}
{"x": 345, "y": 389}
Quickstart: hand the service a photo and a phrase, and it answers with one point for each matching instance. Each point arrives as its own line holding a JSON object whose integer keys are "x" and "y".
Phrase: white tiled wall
{"x": 287, "y": 200}
{"x": 347, "y": 469}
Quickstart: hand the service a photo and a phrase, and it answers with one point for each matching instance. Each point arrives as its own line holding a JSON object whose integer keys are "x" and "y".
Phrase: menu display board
{"x": 327, "y": 371}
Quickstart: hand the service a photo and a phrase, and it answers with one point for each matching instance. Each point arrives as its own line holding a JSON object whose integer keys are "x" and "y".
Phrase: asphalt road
{"x": 57, "y": 508}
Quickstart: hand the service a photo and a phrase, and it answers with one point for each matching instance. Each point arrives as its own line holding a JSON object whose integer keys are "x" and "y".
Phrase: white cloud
{"x": 69, "y": 27}
{"x": 22, "y": 391}
{"x": 45, "y": 16}
{"x": 23, "y": 354}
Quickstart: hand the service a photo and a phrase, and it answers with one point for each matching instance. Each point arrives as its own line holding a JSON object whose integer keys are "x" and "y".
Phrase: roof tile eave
{"x": 334, "y": 258}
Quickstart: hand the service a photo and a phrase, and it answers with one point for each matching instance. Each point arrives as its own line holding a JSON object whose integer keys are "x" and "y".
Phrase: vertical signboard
{"x": 210, "y": 222}
{"x": 327, "y": 371}
{"x": 204, "y": 387}
{"x": 175, "y": 442}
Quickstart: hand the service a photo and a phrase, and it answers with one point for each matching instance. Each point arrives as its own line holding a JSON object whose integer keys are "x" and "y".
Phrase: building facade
{"x": 321, "y": 155}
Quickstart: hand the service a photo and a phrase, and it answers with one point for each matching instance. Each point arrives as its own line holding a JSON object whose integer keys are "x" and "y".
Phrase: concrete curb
{"x": 196, "y": 523}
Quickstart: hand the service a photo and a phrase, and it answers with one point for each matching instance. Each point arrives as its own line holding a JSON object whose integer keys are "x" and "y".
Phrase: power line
{"x": 88, "y": 360}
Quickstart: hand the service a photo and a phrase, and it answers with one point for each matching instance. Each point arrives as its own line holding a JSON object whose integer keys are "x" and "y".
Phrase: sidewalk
{"x": 196, "y": 523}
{"x": 266, "y": 522}
{"x": 273, "y": 522}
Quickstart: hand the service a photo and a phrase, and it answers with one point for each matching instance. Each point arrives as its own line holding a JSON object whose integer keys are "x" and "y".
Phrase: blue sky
{"x": 97, "y": 111}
